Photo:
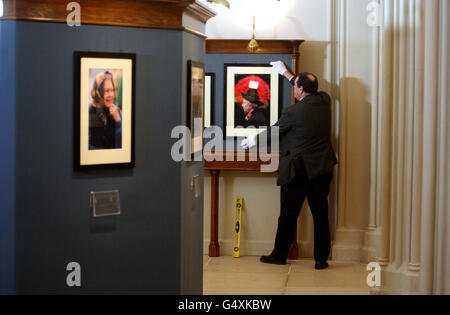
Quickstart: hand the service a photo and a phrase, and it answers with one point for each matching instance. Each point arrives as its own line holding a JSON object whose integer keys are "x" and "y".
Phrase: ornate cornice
{"x": 162, "y": 14}
{"x": 195, "y": 17}
{"x": 200, "y": 12}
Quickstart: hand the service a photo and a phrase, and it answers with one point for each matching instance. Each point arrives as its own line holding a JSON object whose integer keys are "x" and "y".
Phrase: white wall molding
{"x": 434, "y": 249}
{"x": 411, "y": 189}
{"x": 354, "y": 105}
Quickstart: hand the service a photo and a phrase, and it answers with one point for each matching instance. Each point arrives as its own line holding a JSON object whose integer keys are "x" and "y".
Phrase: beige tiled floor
{"x": 247, "y": 276}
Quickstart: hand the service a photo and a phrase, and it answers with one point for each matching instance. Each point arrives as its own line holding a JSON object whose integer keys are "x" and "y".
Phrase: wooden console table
{"x": 238, "y": 161}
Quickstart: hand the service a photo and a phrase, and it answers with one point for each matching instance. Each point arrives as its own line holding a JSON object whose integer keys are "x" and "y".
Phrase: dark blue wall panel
{"x": 7, "y": 157}
{"x": 138, "y": 251}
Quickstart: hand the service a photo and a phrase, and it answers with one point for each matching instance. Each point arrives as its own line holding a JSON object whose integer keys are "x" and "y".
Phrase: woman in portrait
{"x": 254, "y": 117}
{"x": 249, "y": 104}
{"x": 105, "y": 117}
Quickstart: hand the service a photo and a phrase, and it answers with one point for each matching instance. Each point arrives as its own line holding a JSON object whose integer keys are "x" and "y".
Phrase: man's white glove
{"x": 279, "y": 66}
{"x": 248, "y": 142}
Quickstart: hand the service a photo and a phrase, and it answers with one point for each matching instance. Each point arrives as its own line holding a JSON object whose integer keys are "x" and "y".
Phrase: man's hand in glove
{"x": 248, "y": 142}
{"x": 279, "y": 66}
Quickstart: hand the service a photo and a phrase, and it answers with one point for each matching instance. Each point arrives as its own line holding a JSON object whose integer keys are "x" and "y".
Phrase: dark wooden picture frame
{"x": 211, "y": 99}
{"x": 104, "y": 134}
{"x": 276, "y": 97}
{"x": 195, "y": 104}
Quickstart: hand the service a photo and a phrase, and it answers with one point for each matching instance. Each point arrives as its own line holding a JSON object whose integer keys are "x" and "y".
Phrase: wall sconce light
{"x": 225, "y": 3}
{"x": 253, "y": 46}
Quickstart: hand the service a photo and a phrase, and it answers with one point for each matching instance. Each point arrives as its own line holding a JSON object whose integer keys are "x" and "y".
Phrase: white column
{"x": 400, "y": 144}
{"x": 375, "y": 112}
{"x": 427, "y": 245}
{"x": 402, "y": 118}
{"x": 343, "y": 102}
{"x": 408, "y": 137}
{"x": 354, "y": 136}
{"x": 372, "y": 235}
{"x": 414, "y": 259}
{"x": 415, "y": 189}
{"x": 386, "y": 63}
{"x": 442, "y": 272}
{"x": 394, "y": 175}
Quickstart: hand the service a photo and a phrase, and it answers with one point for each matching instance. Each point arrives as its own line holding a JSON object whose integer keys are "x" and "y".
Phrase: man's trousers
{"x": 292, "y": 198}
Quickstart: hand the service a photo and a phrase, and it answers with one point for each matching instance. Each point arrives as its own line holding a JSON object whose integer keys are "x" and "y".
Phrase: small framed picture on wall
{"x": 252, "y": 98}
{"x": 104, "y": 110}
{"x": 196, "y": 104}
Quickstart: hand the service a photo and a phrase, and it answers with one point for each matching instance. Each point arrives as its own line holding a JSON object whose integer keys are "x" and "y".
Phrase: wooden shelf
{"x": 239, "y": 46}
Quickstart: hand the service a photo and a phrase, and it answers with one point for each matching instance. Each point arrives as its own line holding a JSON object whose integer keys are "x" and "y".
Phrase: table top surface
{"x": 241, "y": 161}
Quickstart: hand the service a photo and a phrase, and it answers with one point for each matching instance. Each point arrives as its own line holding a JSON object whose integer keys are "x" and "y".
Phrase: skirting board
{"x": 372, "y": 240}
{"x": 348, "y": 245}
{"x": 258, "y": 248}
{"x": 398, "y": 282}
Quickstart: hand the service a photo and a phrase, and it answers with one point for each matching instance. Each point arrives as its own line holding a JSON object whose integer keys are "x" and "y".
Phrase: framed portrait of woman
{"x": 252, "y": 98}
{"x": 104, "y": 110}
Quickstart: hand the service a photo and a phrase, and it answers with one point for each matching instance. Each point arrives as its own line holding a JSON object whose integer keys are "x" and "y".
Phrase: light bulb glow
{"x": 1, "y": 8}
{"x": 268, "y": 13}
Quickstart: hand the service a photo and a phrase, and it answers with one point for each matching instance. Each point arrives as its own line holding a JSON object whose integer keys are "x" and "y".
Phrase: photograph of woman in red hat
{"x": 253, "y": 95}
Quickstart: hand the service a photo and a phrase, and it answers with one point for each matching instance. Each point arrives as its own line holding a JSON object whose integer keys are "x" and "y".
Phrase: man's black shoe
{"x": 320, "y": 265}
{"x": 271, "y": 260}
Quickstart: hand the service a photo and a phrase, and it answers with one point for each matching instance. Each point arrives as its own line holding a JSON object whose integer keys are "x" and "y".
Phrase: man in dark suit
{"x": 306, "y": 166}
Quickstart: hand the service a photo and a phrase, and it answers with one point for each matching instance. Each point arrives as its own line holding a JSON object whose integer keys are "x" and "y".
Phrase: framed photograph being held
{"x": 104, "y": 110}
{"x": 252, "y": 98}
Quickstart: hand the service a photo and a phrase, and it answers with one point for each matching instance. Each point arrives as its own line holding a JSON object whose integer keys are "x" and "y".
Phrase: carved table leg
{"x": 214, "y": 248}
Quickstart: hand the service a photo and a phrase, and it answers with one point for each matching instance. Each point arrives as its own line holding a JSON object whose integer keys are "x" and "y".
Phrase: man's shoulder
{"x": 320, "y": 97}
{"x": 325, "y": 96}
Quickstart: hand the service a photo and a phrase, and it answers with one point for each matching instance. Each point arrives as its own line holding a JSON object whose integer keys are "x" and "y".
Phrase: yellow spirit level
{"x": 237, "y": 228}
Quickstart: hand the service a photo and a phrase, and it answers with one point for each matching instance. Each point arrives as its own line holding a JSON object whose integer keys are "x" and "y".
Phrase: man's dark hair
{"x": 309, "y": 85}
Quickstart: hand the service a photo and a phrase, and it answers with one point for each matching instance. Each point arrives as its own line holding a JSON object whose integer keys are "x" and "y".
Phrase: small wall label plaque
{"x": 195, "y": 186}
{"x": 105, "y": 203}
